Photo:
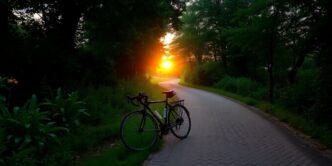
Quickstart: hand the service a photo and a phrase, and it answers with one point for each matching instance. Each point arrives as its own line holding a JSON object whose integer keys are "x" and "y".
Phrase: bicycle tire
{"x": 134, "y": 139}
{"x": 179, "y": 120}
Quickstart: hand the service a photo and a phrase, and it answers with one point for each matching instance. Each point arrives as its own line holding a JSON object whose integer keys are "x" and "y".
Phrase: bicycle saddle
{"x": 169, "y": 94}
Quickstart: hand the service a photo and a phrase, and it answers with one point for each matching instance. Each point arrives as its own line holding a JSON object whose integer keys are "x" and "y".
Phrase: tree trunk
{"x": 223, "y": 57}
{"x": 4, "y": 37}
{"x": 4, "y": 14}
{"x": 198, "y": 54}
{"x": 199, "y": 58}
{"x": 71, "y": 14}
{"x": 271, "y": 51}
{"x": 271, "y": 84}
{"x": 270, "y": 66}
{"x": 305, "y": 50}
{"x": 215, "y": 53}
{"x": 293, "y": 70}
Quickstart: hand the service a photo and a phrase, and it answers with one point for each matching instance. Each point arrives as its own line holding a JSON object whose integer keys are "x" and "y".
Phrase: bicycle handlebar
{"x": 140, "y": 98}
{"x": 131, "y": 100}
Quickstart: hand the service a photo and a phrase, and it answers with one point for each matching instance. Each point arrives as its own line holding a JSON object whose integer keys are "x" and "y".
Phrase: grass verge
{"x": 316, "y": 131}
{"x": 109, "y": 106}
{"x": 157, "y": 79}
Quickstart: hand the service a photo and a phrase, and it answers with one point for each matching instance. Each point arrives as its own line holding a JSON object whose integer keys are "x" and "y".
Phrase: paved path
{"x": 227, "y": 133}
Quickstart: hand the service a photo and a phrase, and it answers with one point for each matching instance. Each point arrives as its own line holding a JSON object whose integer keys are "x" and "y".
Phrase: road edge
{"x": 294, "y": 134}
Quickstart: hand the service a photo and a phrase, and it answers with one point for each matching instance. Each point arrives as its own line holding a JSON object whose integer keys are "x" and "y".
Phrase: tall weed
{"x": 29, "y": 132}
{"x": 65, "y": 111}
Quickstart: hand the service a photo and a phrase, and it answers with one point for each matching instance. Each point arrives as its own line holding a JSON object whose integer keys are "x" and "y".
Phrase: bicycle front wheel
{"x": 179, "y": 120}
{"x": 138, "y": 131}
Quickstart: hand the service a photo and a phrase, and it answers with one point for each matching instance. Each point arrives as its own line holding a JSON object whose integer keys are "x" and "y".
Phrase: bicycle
{"x": 140, "y": 129}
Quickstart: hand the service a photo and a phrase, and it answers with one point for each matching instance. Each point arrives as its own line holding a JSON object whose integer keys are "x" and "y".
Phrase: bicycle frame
{"x": 163, "y": 126}
{"x": 147, "y": 109}
{"x": 147, "y": 120}
{"x": 143, "y": 100}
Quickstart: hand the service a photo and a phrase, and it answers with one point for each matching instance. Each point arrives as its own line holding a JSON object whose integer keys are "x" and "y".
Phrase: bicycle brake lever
{"x": 131, "y": 100}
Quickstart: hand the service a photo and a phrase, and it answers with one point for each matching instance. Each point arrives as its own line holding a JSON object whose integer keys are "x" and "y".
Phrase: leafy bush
{"x": 28, "y": 131}
{"x": 227, "y": 83}
{"x": 206, "y": 73}
{"x": 48, "y": 133}
{"x": 300, "y": 96}
{"x": 212, "y": 71}
{"x": 189, "y": 73}
{"x": 242, "y": 86}
{"x": 32, "y": 134}
{"x": 65, "y": 112}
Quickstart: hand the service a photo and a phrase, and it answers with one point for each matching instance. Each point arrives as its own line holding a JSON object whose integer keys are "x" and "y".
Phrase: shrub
{"x": 65, "y": 112}
{"x": 29, "y": 133}
{"x": 32, "y": 134}
{"x": 212, "y": 72}
{"x": 259, "y": 92}
{"x": 227, "y": 83}
{"x": 190, "y": 73}
{"x": 206, "y": 73}
{"x": 48, "y": 133}
{"x": 242, "y": 86}
{"x": 245, "y": 86}
{"x": 300, "y": 96}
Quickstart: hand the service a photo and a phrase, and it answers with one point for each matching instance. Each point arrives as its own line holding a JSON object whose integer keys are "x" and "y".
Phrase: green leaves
{"x": 65, "y": 112}
{"x": 26, "y": 127}
{"x": 34, "y": 130}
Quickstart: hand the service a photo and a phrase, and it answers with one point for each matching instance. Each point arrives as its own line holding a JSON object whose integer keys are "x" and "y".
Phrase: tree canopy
{"x": 59, "y": 42}
{"x": 272, "y": 42}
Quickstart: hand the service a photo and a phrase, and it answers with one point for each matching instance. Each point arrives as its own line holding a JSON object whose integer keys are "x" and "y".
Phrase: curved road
{"x": 227, "y": 133}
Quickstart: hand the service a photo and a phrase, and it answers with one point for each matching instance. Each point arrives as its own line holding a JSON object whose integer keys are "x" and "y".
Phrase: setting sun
{"x": 167, "y": 59}
{"x": 166, "y": 65}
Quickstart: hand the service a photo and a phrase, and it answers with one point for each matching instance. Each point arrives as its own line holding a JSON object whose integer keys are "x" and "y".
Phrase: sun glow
{"x": 167, "y": 62}
{"x": 166, "y": 65}
{"x": 167, "y": 39}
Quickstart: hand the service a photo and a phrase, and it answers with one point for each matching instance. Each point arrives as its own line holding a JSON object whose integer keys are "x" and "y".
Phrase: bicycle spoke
{"x": 138, "y": 131}
{"x": 179, "y": 121}
{"x": 150, "y": 130}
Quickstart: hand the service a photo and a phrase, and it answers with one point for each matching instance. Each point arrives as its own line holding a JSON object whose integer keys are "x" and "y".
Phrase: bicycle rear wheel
{"x": 138, "y": 131}
{"x": 179, "y": 120}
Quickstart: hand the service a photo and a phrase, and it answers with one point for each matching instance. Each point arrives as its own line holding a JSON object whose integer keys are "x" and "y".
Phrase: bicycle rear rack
{"x": 180, "y": 102}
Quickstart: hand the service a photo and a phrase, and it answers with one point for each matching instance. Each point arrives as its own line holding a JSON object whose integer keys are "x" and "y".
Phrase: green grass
{"x": 157, "y": 79}
{"x": 297, "y": 121}
{"x": 109, "y": 107}
{"x": 118, "y": 155}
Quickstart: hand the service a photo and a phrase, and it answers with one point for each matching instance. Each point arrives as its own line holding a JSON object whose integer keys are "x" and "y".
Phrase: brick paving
{"x": 227, "y": 133}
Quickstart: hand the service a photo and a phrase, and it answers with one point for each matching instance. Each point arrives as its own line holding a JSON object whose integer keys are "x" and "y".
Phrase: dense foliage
{"x": 31, "y": 132}
{"x": 82, "y": 45}
{"x": 72, "y": 42}
{"x": 274, "y": 50}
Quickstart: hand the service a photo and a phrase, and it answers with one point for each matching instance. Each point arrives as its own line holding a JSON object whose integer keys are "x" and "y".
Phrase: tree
{"x": 191, "y": 37}
{"x": 4, "y": 14}
{"x": 259, "y": 33}
{"x": 203, "y": 28}
{"x": 59, "y": 42}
